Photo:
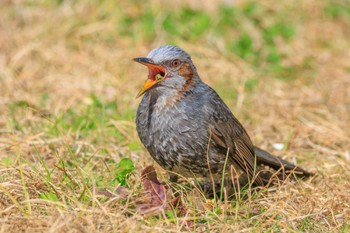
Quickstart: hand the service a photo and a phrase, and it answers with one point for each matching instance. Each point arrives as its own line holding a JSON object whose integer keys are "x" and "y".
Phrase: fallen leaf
{"x": 156, "y": 198}
{"x": 105, "y": 192}
{"x": 152, "y": 185}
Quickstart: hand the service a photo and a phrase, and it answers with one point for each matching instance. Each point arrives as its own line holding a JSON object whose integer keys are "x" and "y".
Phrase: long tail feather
{"x": 265, "y": 158}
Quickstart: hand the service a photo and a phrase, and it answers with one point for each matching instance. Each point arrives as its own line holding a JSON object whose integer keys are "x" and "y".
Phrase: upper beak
{"x": 144, "y": 61}
{"x": 154, "y": 69}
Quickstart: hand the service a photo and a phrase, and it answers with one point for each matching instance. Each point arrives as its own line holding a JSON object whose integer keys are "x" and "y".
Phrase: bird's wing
{"x": 227, "y": 132}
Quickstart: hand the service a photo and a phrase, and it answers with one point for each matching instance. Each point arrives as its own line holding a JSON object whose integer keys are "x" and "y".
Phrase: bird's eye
{"x": 175, "y": 63}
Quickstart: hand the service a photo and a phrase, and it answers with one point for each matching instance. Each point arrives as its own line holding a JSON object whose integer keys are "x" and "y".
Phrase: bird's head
{"x": 169, "y": 69}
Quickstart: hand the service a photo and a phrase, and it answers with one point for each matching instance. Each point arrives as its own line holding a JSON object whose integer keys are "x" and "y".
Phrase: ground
{"x": 68, "y": 87}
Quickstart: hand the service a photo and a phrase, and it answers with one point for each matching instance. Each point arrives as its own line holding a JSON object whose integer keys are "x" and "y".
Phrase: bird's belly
{"x": 187, "y": 155}
{"x": 179, "y": 143}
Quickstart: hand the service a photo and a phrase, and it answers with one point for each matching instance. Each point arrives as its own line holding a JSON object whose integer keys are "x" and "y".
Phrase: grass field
{"x": 67, "y": 103}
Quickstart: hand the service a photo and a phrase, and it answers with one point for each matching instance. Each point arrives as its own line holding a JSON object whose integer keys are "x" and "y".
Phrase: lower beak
{"x": 148, "y": 84}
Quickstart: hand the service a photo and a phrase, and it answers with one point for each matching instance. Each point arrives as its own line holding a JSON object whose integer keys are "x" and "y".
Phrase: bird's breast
{"x": 169, "y": 129}
{"x": 176, "y": 135}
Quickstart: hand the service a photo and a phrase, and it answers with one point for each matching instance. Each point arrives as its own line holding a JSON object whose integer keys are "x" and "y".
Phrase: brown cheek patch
{"x": 187, "y": 72}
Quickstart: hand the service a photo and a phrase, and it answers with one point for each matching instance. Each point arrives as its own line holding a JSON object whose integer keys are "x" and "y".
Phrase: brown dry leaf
{"x": 122, "y": 192}
{"x": 159, "y": 198}
{"x": 105, "y": 192}
{"x": 151, "y": 184}
{"x": 156, "y": 199}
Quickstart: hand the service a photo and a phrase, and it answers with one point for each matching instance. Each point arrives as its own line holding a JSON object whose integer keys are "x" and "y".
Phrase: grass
{"x": 68, "y": 86}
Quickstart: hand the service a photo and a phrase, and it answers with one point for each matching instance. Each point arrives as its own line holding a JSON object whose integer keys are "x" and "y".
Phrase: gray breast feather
{"x": 180, "y": 137}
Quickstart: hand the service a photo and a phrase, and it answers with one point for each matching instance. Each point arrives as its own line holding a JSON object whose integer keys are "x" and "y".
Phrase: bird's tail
{"x": 265, "y": 158}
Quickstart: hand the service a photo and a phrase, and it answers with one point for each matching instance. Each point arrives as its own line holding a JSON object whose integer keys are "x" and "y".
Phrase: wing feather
{"x": 228, "y": 133}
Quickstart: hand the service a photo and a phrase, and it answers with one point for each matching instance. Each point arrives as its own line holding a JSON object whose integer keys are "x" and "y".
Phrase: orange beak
{"x": 153, "y": 70}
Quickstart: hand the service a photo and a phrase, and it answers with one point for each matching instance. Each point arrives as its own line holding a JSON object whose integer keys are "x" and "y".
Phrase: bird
{"x": 189, "y": 130}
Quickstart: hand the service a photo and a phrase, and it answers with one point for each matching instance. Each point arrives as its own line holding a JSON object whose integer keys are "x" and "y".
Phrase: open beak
{"x": 153, "y": 70}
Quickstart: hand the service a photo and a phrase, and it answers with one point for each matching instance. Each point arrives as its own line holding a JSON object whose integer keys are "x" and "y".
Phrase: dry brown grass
{"x": 53, "y": 57}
